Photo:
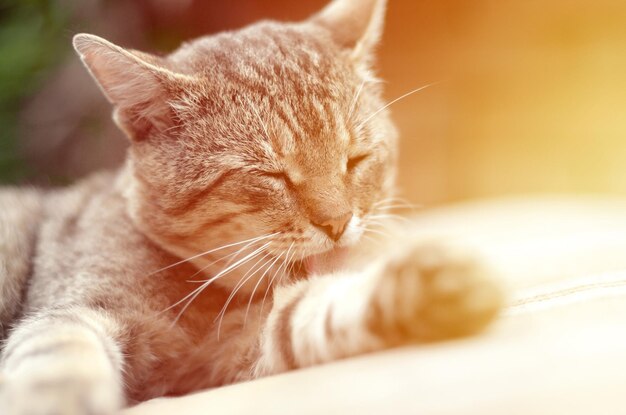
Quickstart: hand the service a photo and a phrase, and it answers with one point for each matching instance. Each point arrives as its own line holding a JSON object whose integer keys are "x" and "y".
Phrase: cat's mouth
{"x": 323, "y": 263}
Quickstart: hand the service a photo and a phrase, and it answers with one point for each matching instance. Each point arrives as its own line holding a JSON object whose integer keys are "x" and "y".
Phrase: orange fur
{"x": 271, "y": 135}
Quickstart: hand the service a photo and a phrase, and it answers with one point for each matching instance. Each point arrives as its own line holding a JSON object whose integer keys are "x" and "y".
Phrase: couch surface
{"x": 558, "y": 348}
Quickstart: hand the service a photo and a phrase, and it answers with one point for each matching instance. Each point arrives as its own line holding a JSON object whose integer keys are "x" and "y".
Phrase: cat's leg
{"x": 420, "y": 295}
{"x": 62, "y": 362}
{"x": 20, "y": 213}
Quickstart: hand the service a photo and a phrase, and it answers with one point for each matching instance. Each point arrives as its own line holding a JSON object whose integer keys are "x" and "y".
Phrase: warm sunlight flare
{"x": 332, "y": 206}
{"x": 532, "y": 96}
{"x": 528, "y": 96}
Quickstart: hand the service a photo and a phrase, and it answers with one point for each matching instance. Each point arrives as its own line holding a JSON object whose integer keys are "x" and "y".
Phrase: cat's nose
{"x": 336, "y": 226}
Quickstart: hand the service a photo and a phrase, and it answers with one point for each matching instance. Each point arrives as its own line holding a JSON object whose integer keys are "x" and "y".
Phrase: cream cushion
{"x": 558, "y": 348}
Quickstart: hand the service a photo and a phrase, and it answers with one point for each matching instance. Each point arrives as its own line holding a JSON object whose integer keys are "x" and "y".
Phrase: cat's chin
{"x": 323, "y": 263}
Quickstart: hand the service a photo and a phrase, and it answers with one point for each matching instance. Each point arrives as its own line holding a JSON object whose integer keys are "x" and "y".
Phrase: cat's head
{"x": 276, "y": 129}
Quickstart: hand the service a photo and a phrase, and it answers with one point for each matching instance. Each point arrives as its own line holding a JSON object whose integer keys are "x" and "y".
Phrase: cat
{"x": 226, "y": 247}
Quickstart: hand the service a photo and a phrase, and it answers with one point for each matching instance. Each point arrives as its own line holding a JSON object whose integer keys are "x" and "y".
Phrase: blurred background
{"x": 530, "y": 95}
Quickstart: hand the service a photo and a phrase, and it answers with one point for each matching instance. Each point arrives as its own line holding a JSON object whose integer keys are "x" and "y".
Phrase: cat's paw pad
{"x": 429, "y": 293}
{"x": 59, "y": 396}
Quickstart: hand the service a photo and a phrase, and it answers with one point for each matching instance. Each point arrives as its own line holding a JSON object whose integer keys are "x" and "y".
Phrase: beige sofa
{"x": 558, "y": 348}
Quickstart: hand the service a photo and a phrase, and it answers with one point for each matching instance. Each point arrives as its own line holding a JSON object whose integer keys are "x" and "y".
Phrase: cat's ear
{"x": 135, "y": 83}
{"x": 356, "y": 25}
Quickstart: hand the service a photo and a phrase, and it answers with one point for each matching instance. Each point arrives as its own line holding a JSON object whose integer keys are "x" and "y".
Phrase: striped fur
{"x": 226, "y": 248}
{"x": 422, "y": 293}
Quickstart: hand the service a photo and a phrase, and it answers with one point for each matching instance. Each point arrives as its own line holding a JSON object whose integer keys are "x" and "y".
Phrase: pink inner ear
{"x": 143, "y": 120}
{"x": 139, "y": 96}
{"x": 136, "y": 87}
{"x": 125, "y": 81}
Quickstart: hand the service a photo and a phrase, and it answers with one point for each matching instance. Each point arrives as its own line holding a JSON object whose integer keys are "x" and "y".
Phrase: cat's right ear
{"x": 355, "y": 25}
{"x": 135, "y": 83}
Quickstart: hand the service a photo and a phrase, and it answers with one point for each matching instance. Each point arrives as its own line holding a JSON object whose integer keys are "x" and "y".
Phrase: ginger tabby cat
{"x": 224, "y": 249}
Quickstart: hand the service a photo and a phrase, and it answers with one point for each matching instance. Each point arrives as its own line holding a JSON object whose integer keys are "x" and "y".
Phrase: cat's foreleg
{"x": 421, "y": 294}
{"x": 62, "y": 362}
{"x": 20, "y": 213}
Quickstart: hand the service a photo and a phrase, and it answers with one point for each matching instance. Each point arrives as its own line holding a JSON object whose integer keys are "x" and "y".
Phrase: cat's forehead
{"x": 276, "y": 56}
{"x": 282, "y": 84}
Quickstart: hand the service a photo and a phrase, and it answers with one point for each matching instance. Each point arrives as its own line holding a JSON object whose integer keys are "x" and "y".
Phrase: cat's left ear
{"x": 139, "y": 85}
{"x": 356, "y": 25}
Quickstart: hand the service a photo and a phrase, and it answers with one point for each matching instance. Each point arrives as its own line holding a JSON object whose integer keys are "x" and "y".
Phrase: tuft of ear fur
{"x": 134, "y": 82}
{"x": 356, "y": 25}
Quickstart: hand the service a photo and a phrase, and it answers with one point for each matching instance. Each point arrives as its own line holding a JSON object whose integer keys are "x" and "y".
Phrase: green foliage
{"x": 32, "y": 41}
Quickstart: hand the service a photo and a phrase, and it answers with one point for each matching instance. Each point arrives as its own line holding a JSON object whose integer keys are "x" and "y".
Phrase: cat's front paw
{"x": 54, "y": 395}
{"x": 429, "y": 293}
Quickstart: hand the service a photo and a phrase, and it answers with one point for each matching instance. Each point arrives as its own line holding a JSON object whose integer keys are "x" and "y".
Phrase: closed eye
{"x": 278, "y": 175}
{"x": 353, "y": 162}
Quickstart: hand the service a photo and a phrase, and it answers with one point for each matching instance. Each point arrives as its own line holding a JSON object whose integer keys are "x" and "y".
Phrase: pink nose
{"x": 335, "y": 227}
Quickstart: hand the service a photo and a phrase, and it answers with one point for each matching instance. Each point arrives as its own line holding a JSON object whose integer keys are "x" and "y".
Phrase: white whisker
{"x": 232, "y": 256}
{"x": 391, "y": 198}
{"x": 355, "y": 99}
{"x": 382, "y": 218}
{"x": 241, "y": 250}
{"x": 271, "y": 279}
{"x": 291, "y": 264}
{"x": 396, "y": 100}
{"x": 395, "y": 202}
{"x": 245, "y": 318}
{"x": 269, "y": 286}
{"x": 222, "y": 312}
{"x": 387, "y": 208}
{"x": 194, "y": 294}
{"x": 386, "y": 235}
{"x": 258, "y": 238}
